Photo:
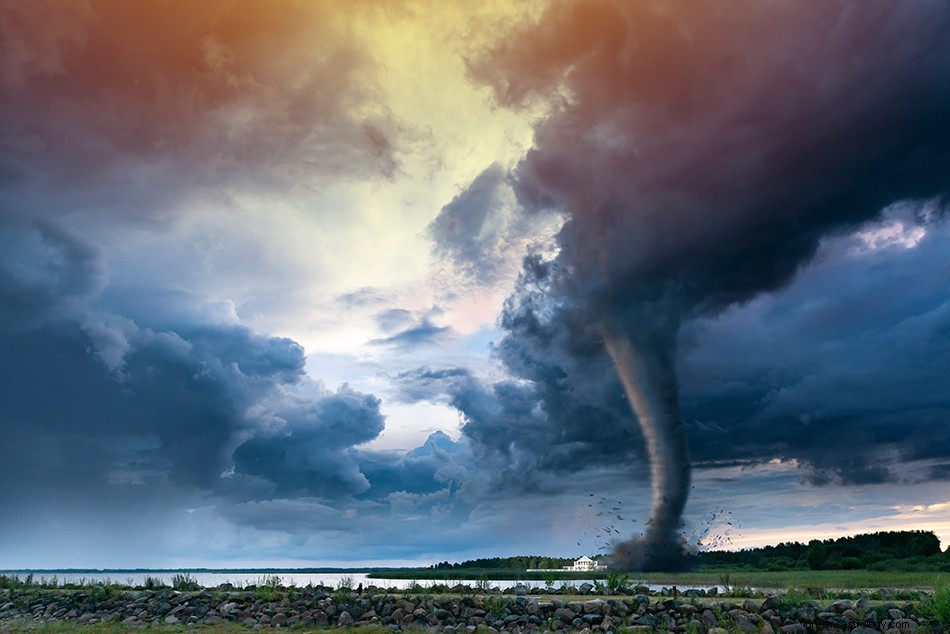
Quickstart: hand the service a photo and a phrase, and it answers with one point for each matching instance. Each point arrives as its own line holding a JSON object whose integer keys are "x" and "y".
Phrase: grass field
{"x": 839, "y": 579}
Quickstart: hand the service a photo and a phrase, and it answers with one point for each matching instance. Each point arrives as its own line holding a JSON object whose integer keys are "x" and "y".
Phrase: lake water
{"x": 299, "y": 579}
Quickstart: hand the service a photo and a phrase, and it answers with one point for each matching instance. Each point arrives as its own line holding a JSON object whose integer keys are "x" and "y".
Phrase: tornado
{"x": 700, "y": 153}
{"x": 645, "y": 364}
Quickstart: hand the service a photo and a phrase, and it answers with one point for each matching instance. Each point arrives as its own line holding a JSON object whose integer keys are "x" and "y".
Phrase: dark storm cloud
{"x": 843, "y": 370}
{"x": 439, "y": 464}
{"x": 466, "y": 230}
{"x": 479, "y": 237}
{"x": 128, "y": 107}
{"x": 45, "y": 273}
{"x": 532, "y": 433}
{"x": 701, "y": 152}
{"x": 411, "y": 329}
{"x": 162, "y": 402}
{"x": 309, "y": 455}
{"x": 424, "y": 333}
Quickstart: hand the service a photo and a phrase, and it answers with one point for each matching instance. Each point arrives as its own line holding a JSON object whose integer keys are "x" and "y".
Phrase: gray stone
{"x": 841, "y": 605}
{"x": 595, "y": 605}
{"x": 647, "y": 619}
{"x": 565, "y": 614}
{"x": 585, "y": 588}
{"x": 864, "y": 630}
{"x": 772, "y": 602}
{"x": 171, "y": 619}
{"x": 895, "y": 613}
{"x": 792, "y": 628}
{"x": 745, "y": 624}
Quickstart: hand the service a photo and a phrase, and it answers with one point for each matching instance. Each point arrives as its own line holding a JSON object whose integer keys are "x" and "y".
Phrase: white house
{"x": 585, "y": 564}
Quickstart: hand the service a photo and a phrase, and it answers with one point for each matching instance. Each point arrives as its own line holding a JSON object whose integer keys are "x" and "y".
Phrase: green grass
{"x": 839, "y": 579}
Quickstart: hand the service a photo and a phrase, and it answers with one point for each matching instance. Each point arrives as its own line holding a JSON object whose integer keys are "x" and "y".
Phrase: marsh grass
{"x": 184, "y": 582}
{"x": 937, "y": 604}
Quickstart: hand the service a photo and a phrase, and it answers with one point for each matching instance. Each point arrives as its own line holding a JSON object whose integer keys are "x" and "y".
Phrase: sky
{"x": 329, "y": 283}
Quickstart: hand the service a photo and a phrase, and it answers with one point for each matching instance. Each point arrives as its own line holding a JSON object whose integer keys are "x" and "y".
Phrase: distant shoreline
{"x": 73, "y": 571}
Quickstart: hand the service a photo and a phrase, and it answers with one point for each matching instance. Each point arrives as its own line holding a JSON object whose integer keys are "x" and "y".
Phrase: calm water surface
{"x": 299, "y": 579}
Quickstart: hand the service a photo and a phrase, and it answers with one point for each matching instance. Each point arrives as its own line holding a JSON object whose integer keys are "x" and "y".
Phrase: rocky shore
{"x": 464, "y": 611}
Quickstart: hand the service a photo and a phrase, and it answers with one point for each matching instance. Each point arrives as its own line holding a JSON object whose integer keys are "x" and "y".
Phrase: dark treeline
{"x": 912, "y": 551}
{"x": 525, "y": 562}
{"x": 893, "y": 550}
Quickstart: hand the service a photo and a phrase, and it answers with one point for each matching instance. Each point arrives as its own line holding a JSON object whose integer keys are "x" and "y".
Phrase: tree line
{"x": 525, "y": 562}
{"x": 887, "y": 550}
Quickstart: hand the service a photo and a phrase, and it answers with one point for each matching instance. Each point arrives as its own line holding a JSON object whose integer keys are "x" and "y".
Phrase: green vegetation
{"x": 937, "y": 604}
{"x": 184, "y": 582}
{"x": 906, "y": 551}
{"x": 475, "y": 574}
{"x": 507, "y": 563}
{"x": 884, "y": 552}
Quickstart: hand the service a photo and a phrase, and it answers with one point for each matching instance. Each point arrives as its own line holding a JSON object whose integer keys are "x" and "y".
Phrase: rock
{"x": 521, "y": 590}
{"x": 894, "y": 613}
{"x": 171, "y": 619}
{"x": 841, "y": 605}
{"x": 772, "y": 602}
{"x": 833, "y": 619}
{"x": 864, "y": 630}
{"x": 565, "y": 614}
{"x": 792, "y": 628}
{"x": 647, "y": 619}
{"x": 717, "y": 630}
{"x": 585, "y": 588}
{"x": 345, "y": 620}
{"x": 595, "y": 605}
{"x": 745, "y": 624}
{"x": 750, "y": 606}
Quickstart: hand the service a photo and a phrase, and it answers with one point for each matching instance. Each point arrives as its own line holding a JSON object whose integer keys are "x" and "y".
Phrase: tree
{"x": 815, "y": 555}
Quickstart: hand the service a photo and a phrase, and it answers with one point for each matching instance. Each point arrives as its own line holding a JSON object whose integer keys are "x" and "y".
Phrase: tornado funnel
{"x": 645, "y": 364}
